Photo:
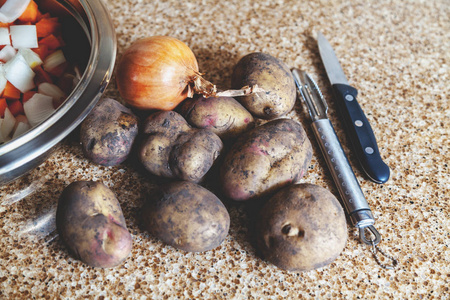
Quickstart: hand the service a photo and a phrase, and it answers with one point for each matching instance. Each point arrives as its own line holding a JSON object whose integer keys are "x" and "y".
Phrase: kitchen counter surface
{"x": 396, "y": 53}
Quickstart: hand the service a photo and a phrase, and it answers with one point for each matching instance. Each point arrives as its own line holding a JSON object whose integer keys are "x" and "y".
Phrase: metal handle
{"x": 352, "y": 196}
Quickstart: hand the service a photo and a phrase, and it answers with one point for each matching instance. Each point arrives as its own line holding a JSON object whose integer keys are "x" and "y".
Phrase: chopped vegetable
{"x": 23, "y": 36}
{"x": 12, "y": 9}
{"x": 8, "y": 123}
{"x": 31, "y": 13}
{"x": 38, "y": 108}
{"x": 31, "y": 57}
{"x": 10, "y": 91}
{"x": 31, "y": 63}
{"x": 47, "y": 26}
{"x": 7, "y": 53}
{"x": 4, "y": 36}
{"x": 21, "y": 129}
{"x": 3, "y": 106}
{"x": 16, "y": 108}
{"x": 19, "y": 73}
{"x": 52, "y": 42}
{"x": 54, "y": 60}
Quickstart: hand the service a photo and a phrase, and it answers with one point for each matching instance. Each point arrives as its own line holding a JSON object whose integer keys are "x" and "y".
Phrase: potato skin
{"x": 186, "y": 216}
{"x": 273, "y": 76}
{"x": 173, "y": 149}
{"x": 265, "y": 159}
{"x": 224, "y": 116}
{"x": 91, "y": 223}
{"x": 301, "y": 228}
{"x": 108, "y": 133}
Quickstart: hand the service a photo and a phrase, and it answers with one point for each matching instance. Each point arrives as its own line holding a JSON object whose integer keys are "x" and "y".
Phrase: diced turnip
{"x": 31, "y": 57}
{"x": 12, "y": 9}
{"x": 7, "y": 53}
{"x": 19, "y": 73}
{"x": 38, "y": 108}
{"x": 23, "y": 36}
{"x": 4, "y": 36}
{"x": 8, "y": 123}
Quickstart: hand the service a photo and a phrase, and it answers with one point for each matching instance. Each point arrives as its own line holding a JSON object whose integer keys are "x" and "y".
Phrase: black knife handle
{"x": 360, "y": 133}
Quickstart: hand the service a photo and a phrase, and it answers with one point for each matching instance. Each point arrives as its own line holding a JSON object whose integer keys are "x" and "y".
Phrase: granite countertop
{"x": 396, "y": 53}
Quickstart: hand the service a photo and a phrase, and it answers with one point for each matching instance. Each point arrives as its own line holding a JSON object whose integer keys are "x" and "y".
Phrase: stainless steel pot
{"x": 91, "y": 42}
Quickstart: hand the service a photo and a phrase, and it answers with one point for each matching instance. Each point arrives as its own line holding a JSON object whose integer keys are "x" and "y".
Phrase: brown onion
{"x": 158, "y": 73}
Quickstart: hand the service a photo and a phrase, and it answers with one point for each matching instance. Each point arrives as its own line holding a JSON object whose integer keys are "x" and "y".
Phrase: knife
{"x": 357, "y": 126}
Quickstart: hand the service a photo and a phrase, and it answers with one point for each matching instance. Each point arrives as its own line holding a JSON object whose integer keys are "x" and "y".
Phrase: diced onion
{"x": 7, "y": 53}
{"x": 38, "y": 108}
{"x": 4, "y": 36}
{"x": 49, "y": 89}
{"x": 12, "y": 9}
{"x": 8, "y": 123}
{"x": 23, "y": 36}
{"x": 2, "y": 78}
{"x": 19, "y": 73}
{"x": 31, "y": 57}
{"x": 54, "y": 60}
{"x": 21, "y": 129}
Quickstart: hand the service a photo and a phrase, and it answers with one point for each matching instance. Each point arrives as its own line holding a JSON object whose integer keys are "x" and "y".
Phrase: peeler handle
{"x": 352, "y": 196}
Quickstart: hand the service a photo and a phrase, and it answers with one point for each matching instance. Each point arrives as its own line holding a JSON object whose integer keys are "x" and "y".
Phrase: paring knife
{"x": 349, "y": 189}
{"x": 357, "y": 126}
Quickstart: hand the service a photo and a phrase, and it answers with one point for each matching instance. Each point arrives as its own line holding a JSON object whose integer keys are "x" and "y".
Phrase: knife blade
{"x": 355, "y": 121}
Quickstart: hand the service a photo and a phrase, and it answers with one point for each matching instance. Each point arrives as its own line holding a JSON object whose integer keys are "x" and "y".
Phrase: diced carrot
{"x": 11, "y": 92}
{"x": 43, "y": 16}
{"x": 27, "y": 96}
{"x": 4, "y": 24}
{"x": 41, "y": 76}
{"x": 31, "y": 13}
{"x": 3, "y": 106}
{"x": 59, "y": 70}
{"x": 47, "y": 26}
{"x": 42, "y": 51}
{"x": 52, "y": 42}
{"x": 16, "y": 107}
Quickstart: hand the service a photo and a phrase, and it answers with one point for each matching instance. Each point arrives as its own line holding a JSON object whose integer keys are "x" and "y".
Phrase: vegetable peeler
{"x": 350, "y": 191}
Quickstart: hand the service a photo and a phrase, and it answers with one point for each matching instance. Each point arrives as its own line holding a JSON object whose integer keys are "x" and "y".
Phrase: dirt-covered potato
{"x": 186, "y": 216}
{"x": 108, "y": 132}
{"x": 91, "y": 223}
{"x": 302, "y": 227}
{"x": 273, "y": 76}
{"x": 265, "y": 159}
{"x": 224, "y": 116}
{"x": 173, "y": 149}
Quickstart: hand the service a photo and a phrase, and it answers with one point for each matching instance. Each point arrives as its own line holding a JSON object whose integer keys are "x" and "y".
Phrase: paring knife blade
{"x": 357, "y": 126}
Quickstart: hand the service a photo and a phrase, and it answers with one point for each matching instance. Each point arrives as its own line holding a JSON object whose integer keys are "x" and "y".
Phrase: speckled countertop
{"x": 395, "y": 52}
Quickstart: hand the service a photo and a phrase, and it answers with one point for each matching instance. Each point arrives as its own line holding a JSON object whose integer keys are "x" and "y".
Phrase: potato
{"x": 273, "y": 76}
{"x": 91, "y": 223}
{"x": 302, "y": 227}
{"x": 108, "y": 133}
{"x": 265, "y": 159}
{"x": 186, "y": 216}
{"x": 224, "y": 116}
{"x": 173, "y": 149}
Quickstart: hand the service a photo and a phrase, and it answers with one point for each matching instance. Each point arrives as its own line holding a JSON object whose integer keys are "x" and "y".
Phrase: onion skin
{"x": 156, "y": 73}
